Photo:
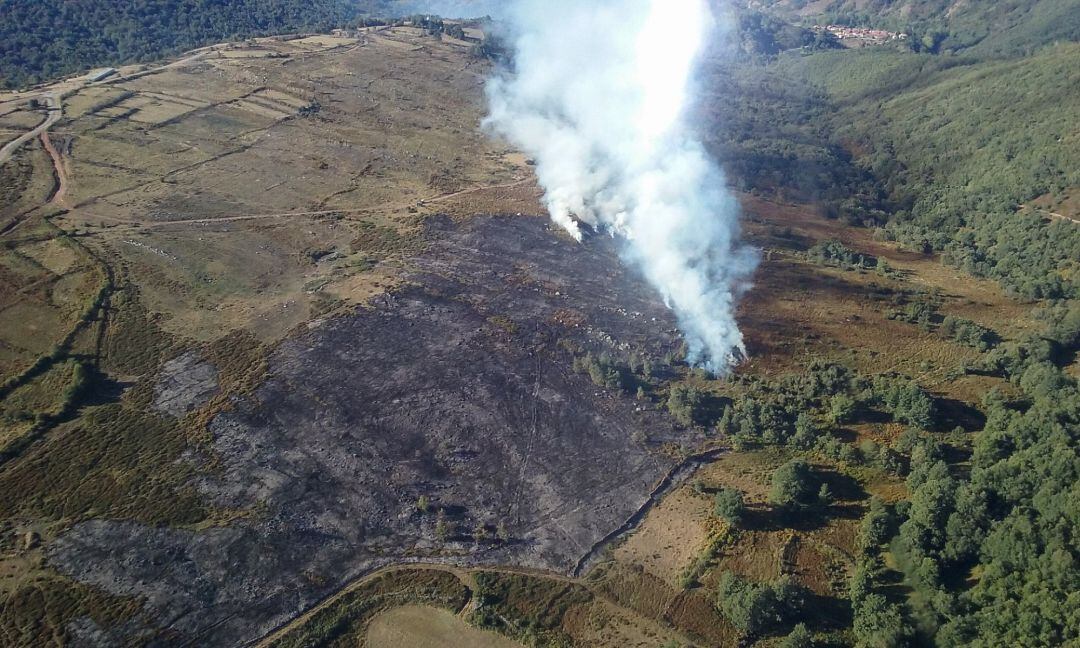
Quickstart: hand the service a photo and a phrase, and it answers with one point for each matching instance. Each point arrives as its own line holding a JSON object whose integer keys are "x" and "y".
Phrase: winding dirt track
{"x": 54, "y": 98}
{"x": 463, "y": 574}
{"x": 56, "y": 111}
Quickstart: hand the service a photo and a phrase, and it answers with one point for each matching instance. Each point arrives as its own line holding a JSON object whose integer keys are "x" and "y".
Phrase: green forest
{"x": 967, "y": 149}
{"x": 959, "y": 146}
{"x": 972, "y": 157}
{"x": 45, "y": 39}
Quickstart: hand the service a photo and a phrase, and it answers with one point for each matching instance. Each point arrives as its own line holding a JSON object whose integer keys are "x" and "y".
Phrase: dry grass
{"x": 26, "y": 182}
{"x": 39, "y": 612}
{"x": 799, "y": 311}
{"x": 605, "y": 624}
{"x": 694, "y": 612}
{"x": 421, "y": 626}
{"x": 670, "y": 537}
{"x": 161, "y": 163}
{"x": 46, "y": 291}
{"x": 42, "y": 395}
{"x": 13, "y": 124}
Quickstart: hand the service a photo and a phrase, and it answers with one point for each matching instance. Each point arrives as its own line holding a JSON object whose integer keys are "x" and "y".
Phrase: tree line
{"x": 46, "y": 39}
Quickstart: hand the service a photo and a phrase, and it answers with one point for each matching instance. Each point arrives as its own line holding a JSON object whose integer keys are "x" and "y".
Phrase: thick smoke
{"x": 599, "y": 96}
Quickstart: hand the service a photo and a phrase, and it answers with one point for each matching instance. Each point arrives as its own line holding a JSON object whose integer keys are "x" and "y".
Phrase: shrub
{"x": 837, "y": 254}
{"x": 756, "y": 607}
{"x": 841, "y": 408}
{"x": 799, "y": 637}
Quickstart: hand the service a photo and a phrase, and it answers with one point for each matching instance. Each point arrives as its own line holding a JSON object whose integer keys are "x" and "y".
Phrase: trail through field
{"x": 462, "y": 573}
{"x": 54, "y": 98}
{"x": 60, "y": 170}
{"x": 209, "y": 220}
{"x": 56, "y": 111}
{"x": 1057, "y": 216}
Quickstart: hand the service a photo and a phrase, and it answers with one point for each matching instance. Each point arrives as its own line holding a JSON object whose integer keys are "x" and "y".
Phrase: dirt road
{"x": 54, "y": 95}
{"x": 464, "y": 574}
{"x": 214, "y": 220}
{"x": 56, "y": 111}
{"x": 1057, "y": 216}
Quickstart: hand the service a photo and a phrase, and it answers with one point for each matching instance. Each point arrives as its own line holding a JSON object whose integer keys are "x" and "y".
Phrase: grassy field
{"x": 239, "y": 191}
{"x": 427, "y": 627}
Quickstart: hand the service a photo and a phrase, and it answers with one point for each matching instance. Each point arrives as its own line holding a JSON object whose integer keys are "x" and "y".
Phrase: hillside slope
{"x": 41, "y": 40}
{"x": 962, "y": 147}
{"x": 991, "y": 28}
{"x": 277, "y": 314}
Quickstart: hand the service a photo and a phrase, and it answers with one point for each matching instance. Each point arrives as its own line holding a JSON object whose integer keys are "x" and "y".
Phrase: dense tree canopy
{"x": 963, "y": 148}
{"x": 48, "y": 38}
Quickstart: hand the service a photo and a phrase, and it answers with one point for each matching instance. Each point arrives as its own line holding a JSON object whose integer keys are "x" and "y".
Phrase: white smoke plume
{"x": 598, "y": 97}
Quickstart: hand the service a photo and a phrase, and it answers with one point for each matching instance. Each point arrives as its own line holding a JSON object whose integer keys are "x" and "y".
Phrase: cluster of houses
{"x": 861, "y": 35}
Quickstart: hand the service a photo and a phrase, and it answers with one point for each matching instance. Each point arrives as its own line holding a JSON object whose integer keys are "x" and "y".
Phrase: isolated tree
{"x": 906, "y": 400}
{"x": 824, "y": 496}
{"x": 890, "y": 460}
{"x": 966, "y": 528}
{"x": 646, "y": 368}
{"x": 789, "y": 597}
{"x": 932, "y": 502}
{"x": 756, "y": 607}
{"x": 480, "y": 533}
{"x": 442, "y": 528}
{"x": 603, "y": 371}
{"x": 806, "y": 432}
{"x": 874, "y": 527}
{"x": 748, "y": 606}
{"x": 793, "y": 486}
{"x": 423, "y": 504}
{"x": 861, "y": 582}
{"x": 729, "y": 505}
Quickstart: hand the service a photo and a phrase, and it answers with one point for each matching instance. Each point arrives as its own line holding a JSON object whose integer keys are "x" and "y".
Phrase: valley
{"x": 291, "y": 355}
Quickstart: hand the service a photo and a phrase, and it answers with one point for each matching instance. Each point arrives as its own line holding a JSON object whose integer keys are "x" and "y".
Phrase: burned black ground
{"x": 458, "y": 389}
